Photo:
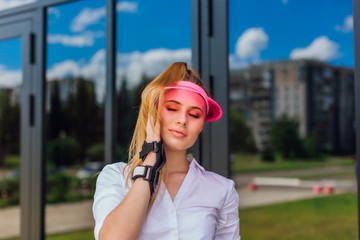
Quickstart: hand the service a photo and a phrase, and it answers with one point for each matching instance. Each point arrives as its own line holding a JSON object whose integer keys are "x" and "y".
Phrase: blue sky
{"x": 152, "y": 34}
{"x": 292, "y": 24}
{"x": 142, "y": 25}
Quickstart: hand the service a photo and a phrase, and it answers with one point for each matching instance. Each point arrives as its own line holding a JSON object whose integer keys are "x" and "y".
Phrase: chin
{"x": 177, "y": 146}
{"x": 174, "y": 147}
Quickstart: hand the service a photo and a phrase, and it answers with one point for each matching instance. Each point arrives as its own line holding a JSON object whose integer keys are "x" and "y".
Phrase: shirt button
{"x": 174, "y": 233}
{"x": 172, "y": 212}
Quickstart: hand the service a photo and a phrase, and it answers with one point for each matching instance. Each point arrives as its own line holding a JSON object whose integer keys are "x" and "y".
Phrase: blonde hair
{"x": 151, "y": 102}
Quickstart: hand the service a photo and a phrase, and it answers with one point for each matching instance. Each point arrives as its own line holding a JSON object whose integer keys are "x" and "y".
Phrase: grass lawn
{"x": 81, "y": 235}
{"x": 342, "y": 174}
{"x": 324, "y": 218}
{"x": 252, "y": 163}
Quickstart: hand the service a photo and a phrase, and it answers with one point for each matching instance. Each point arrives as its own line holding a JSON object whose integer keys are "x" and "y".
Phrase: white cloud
{"x": 251, "y": 43}
{"x": 236, "y": 63}
{"x": 131, "y": 65}
{"x": 322, "y": 48}
{"x": 95, "y": 70}
{"x": 9, "y": 78}
{"x": 347, "y": 25}
{"x": 67, "y": 68}
{"x": 86, "y": 39}
{"x": 88, "y": 16}
{"x": 151, "y": 63}
{"x": 54, "y": 11}
{"x": 126, "y": 6}
{"x": 5, "y": 4}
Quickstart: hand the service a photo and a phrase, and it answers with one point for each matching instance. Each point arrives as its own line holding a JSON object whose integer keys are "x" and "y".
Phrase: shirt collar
{"x": 194, "y": 163}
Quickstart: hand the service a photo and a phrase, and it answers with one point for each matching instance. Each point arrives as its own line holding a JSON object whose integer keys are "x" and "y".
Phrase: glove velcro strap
{"x": 150, "y": 147}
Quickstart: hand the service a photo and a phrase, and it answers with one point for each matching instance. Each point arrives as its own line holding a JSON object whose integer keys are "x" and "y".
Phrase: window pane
{"x": 292, "y": 113}
{"x": 150, "y": 36}
{"x": 75, "y": 93}
{"x": 10, "y": 92}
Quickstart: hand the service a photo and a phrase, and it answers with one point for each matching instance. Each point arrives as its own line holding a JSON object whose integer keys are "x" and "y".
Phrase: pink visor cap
{"x": 213, "y": 109}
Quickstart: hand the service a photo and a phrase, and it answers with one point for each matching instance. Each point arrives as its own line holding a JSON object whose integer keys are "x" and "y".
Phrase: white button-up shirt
{"x": 205, "y": 207}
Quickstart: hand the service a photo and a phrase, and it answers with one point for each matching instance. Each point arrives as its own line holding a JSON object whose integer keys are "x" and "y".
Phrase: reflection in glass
{"x": 291, "y": 108}
{"x": 12, "y": 4}
{"x": 150, "y": 36}
{"x": 75, "y": 93}
{"x": 10, "y": 92}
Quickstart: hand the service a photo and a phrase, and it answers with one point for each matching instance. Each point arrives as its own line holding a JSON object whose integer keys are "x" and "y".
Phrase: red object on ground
{"x": 328, "y": 189}
{"x": 252, "y": 187}
{"x": 317, "y": 189}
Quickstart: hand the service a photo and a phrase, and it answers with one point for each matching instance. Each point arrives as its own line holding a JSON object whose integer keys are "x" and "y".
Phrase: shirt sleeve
{"x": 228, "y": 224}
{"x": 110, "y": 191}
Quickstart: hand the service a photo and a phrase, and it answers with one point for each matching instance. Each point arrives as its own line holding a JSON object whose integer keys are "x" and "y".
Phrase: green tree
{"x": 84, "y": 117}
{"x": 62, "y": 152}
{"x": 241, "y": 138}
{"x": 136, "y": 93}
{"x": 9, "y": 125}
{"x": 284, "y": 137}
{"x": 311, "y": 145}
{"x": 126, "y": 115}
{"x": 95, "y": 152}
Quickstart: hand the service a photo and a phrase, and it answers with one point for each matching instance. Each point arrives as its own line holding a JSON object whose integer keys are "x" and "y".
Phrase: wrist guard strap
{"x": 154, "y": 174}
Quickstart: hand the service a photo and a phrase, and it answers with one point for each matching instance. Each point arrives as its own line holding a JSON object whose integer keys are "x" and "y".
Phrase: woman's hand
{"x": 152, "y": 130}
{"x": 152, "y": 134}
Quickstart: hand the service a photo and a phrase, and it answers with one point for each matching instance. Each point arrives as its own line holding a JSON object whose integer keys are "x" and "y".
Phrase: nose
{"x": 182, "y": 118}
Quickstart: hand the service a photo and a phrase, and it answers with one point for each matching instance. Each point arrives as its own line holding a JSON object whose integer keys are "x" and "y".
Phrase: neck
{"x": 176, "y": 161}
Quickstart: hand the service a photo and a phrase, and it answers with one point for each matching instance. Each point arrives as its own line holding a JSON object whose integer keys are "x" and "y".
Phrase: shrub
{"x": 9, "y": 191}
{"x": 61, "y": 187}
{"x": 62, "y": 152}
{"x": 96, "y": 153}
{"x": 11, "y": 162}
{"x": 56, "y": 187}
{"x": 241, "y": 138}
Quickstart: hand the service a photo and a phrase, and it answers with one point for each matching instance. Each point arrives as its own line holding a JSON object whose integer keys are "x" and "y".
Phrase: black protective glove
{"x": 158, "y": 149}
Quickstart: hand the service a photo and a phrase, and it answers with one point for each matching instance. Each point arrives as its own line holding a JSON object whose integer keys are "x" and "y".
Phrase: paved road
{"x": 265, "y": 195}
{"x": 243, "y": 179}
{"x": 65, "y": 217}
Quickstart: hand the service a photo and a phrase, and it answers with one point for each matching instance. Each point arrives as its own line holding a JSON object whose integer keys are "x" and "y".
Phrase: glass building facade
{"x": 71, "y": 74}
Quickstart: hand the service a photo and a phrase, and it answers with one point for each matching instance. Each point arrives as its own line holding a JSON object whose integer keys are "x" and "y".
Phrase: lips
{"x": 178, "y": 133}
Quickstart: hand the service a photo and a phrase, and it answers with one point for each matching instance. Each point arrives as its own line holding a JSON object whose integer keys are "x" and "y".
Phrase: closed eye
{"x": 171, "y": 109}
{"x": 195, "y": 116}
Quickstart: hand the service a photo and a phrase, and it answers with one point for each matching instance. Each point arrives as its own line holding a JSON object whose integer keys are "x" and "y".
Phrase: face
{"x": 182, "y": 119}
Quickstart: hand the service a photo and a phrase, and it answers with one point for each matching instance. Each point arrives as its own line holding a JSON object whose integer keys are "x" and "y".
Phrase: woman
{"x": 161, "y": 193}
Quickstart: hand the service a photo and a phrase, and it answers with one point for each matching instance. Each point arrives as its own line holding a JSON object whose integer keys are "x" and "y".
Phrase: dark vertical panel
{"x": 110, "y": 104}
{"x": 39, "y": 131}
{"x": 210, "y": 58}
{"x": 219, "y": 72}
{"x": 195, "y": 34}
{"x": 195, "y": 59}
{"x": 356, "y": 17}
{"x": 205, "y": 59}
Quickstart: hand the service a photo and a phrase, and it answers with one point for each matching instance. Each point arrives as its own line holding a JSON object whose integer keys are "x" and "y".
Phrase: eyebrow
{"x": 179, "y": 103}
